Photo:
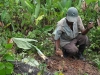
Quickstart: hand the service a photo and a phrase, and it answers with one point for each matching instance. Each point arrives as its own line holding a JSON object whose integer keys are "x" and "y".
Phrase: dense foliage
{"x": 36, "y": 19}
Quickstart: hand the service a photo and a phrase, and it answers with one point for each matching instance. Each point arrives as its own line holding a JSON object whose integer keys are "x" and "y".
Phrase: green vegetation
{"x": 36, "y": 19}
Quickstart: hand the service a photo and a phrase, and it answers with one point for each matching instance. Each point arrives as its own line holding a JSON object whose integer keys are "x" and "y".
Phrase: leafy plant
{"x": 94, "y": 35}
{"x": 58, "y": 73}
{"x": 6, "y": 57}
{"x": 97, "y": 61}
{"x": 37, "y": 19}
{"x": 42, "y": 68}
{"x": 6, "y": 68}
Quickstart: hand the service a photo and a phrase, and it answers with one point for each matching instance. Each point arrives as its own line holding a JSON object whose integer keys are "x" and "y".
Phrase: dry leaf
{"x": 97, "y": 8}
{"x": 1, "y": 24}
{"x": 10, "y": 40}
{"x": 84, "y": 5}
{"x": 98, "y": 21}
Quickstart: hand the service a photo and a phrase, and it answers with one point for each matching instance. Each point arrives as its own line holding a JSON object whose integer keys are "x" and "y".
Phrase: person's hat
{"x": 72, "y": 14}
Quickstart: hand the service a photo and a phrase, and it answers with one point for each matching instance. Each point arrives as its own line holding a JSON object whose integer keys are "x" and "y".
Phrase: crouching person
{"x": 70, "y": 34}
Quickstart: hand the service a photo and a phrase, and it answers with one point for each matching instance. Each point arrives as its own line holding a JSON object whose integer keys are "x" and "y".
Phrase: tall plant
{"x": 26, "y": 12}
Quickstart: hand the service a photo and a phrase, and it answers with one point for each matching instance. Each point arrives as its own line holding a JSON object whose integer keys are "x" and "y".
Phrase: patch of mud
{"x": 70, "y": 66}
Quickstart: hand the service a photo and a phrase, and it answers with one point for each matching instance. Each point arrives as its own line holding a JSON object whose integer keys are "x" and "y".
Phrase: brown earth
{"x": 70, "y": 66}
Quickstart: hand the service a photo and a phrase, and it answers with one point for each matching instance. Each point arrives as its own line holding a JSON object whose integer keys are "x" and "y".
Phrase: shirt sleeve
{"x": 57, "y": 32}
{"x": 80, "y": 24}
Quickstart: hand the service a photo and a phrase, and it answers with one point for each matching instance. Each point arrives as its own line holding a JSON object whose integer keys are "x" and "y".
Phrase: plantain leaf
{"x": 30, "y": 61}
{"x": 89, "y": 1}
{"x": 23, "y": 43}
{"x": 99, "y": 3}
{"x": 17, "y": 1}
{"x": 79, "y": 3}
{"x": 37, "y": 9}
{"x": 60, "y": 6}
{"x": 29, "y": 4}
{"x": 69, "y": 2}
{"x": 66, "y": 3}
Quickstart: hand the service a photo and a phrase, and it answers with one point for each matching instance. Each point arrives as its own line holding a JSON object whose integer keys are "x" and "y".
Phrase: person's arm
{"x": 57, "y": 34}
{"x": 57, "y": 44}
{"x": 81, "y": 26}
{"x": 58, "y": 50}
{"x": 90, "y": 25}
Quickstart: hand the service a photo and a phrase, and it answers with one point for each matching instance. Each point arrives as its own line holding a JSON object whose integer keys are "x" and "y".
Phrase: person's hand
{"x": 90, "y": 25}
{"x": 59, "y": 52}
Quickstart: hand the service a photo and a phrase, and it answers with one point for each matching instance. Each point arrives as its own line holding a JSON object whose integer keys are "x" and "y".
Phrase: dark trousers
{"x": 77, "y": 45}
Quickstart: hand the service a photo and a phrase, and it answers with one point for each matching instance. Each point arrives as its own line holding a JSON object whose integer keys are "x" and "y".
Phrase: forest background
{"x": 36, "y": 19}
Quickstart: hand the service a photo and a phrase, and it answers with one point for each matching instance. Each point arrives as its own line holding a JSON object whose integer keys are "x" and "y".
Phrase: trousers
{"x": 77, "y": 44}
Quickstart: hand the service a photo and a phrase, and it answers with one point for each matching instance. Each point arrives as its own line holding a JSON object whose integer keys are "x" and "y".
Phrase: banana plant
{"x": 25, "y": 43}
{"x": 89, "y": 1}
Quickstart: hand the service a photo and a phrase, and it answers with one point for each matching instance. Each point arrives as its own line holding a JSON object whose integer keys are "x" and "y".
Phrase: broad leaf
{"x": 37, "y": 9}
{"x": 2, "y": 66}
{"x": 99, "y": 3}
{"x": 2, "y": 72}
{"x": 9, "y": 46}
{"x": 89, "y": 1}
{"x": 9, "y": 65}
{"x": 30, "y": 61}
{"x": 8, "y": 57}
{"x": 3, "y": 15}
{"x": 17, "y": 1}
{"x": 29, "y": 5}
{"x": 23, "y": 43}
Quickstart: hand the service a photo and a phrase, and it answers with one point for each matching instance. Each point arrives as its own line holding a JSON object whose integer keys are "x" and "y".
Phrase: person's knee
{"x": 74, "y": 50}
{"x": 71, "y": 49}
{"x": 83, "y": 39}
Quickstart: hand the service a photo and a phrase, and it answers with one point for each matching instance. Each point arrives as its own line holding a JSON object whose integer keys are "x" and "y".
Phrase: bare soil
{"x": 70, "y": 66}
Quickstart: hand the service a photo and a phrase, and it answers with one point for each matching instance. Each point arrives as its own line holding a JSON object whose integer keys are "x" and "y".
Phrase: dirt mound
{"x": 70, "y": 66}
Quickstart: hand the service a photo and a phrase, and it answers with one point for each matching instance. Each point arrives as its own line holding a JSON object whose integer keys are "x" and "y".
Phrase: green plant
{"x": 58, "y": 73}
{"x": 85, "y": 74}
{"x": 97, "y": 61}
{"x": 94, "y": 38}
{"x": 42, "y": 68}
{"x": 25, "y": 15}
{"x": 44, "y": 36}
{"x": 6, "y": 68}
{"x": 38, "y": 18}
{"x": 6, "y": 57}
